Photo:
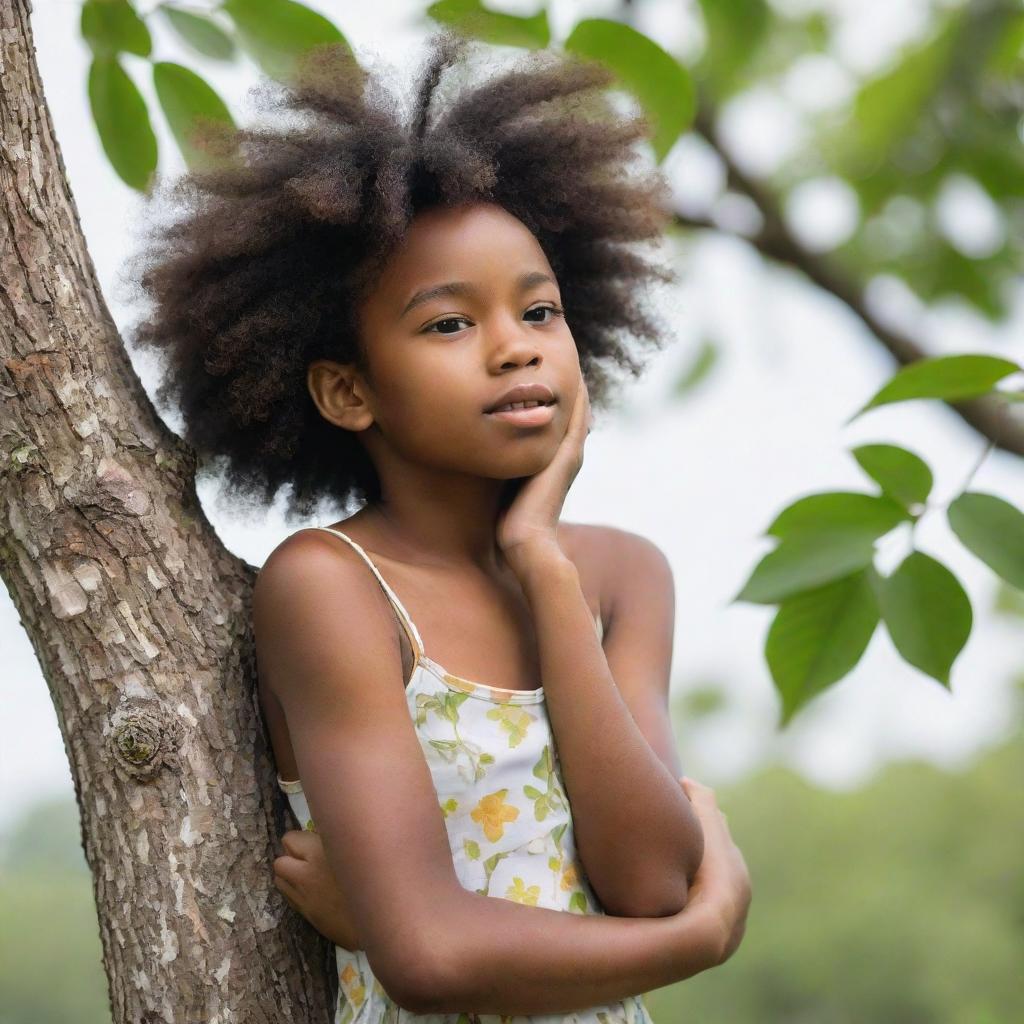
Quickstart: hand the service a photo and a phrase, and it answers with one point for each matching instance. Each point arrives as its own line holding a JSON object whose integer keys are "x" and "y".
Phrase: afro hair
{"x": 273, "y": 247}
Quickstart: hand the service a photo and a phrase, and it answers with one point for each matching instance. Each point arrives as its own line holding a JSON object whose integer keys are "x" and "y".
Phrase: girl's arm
{"x": 555, "y": 962}
{"x": 549, "y": 966}
{"x": 506, "y": 958}
{"x": 325, "y": 637}
{"x": 620, "y": 790}
{"x": 621, "y": 781}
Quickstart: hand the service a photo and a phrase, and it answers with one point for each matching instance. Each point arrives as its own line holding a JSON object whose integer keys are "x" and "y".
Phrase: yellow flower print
{"x": 514, "y": 720}
{"x": 569, "y": 877}
{"x": 518, "y": 893}
{"x": 355, "y": 994}
{"x": 491, "y": 814}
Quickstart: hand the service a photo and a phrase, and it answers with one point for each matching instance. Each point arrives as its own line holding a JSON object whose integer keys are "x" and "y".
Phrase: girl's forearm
{"x": 499, "y": 956}
{"x": 616, "y": 784}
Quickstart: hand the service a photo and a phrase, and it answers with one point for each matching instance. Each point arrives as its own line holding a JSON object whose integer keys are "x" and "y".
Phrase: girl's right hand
{"x": 305, "y": 878}
{"x": 722, "y": 880}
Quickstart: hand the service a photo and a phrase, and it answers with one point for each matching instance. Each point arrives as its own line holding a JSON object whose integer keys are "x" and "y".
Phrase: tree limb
{"x": 992, "y": 417}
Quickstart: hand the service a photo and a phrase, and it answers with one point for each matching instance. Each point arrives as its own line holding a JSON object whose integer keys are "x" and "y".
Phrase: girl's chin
{"x": 513, "y": 470}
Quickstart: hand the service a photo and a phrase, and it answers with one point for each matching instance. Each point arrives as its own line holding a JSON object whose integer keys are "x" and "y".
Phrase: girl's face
{"x": 465, "y": 310}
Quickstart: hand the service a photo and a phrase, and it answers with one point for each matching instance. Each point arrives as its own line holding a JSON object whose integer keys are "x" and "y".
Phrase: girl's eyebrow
{"x": 525, "y": 281}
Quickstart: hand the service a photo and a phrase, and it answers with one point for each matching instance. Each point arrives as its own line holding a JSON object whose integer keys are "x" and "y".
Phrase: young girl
{"x": 415, "y": 318}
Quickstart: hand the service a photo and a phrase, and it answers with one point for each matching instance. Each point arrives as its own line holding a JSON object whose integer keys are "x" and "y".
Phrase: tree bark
{"x": 141, "y": 622}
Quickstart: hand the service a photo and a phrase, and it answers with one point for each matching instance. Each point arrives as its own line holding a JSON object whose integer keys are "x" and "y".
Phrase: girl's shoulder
{"x": 616, "y": 564}
{"x": 311, "y": 560}
{"x": 605, "y": 548}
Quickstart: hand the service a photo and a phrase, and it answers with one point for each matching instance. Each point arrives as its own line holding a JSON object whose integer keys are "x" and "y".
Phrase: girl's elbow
{"x": 416, "y": 970}
{"x": 660, "y": 897}
{"x": 667, "y": 899}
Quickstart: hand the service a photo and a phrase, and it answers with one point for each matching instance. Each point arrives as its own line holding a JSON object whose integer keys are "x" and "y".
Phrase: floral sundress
{"x": 494, "y": 764}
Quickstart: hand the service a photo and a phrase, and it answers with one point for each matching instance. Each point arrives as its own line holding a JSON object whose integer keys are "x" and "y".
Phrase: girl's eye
{"x": 447, "y": 320}
{"x": 555, "y": 311}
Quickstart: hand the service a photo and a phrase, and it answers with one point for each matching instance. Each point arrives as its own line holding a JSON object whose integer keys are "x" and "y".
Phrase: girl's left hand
{"x": 531, "y": 520}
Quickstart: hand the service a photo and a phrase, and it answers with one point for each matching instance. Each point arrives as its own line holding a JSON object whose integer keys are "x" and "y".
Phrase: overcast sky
{"x": 701, "y": 479}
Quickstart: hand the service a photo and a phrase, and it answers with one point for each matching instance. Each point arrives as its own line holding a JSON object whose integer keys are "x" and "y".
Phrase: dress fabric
{"x": 494, "y": 764}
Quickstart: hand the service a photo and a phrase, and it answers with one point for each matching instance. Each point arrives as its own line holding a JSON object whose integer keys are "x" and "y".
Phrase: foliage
{"x": 822, "y": 575}
{"x": 946, "y": 111}
{"x": 51, "y": 970}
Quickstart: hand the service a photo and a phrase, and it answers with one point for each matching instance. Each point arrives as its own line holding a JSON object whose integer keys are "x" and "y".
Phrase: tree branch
{"x": 990, "y": 416}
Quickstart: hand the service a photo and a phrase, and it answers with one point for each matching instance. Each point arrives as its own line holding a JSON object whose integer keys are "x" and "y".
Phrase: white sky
{"x": 701, "y": 479}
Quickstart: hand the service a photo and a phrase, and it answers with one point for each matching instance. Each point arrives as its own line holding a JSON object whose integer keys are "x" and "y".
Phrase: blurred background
{"x": 865, "y": 167}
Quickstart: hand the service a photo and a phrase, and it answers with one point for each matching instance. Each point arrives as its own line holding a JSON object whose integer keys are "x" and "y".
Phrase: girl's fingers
{"x": 290, "y": 842}
{"x": 705, "y": 804}
{"x": 301, "y": 843}
{"x": 695, "y": 789}
{"x": 289, "y": 892}
{"x": 290, "y": 869}
{"x": 580, "y": 418}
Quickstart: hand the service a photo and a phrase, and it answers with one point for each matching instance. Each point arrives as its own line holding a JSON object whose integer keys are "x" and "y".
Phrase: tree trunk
{"x": 141, "y": 622}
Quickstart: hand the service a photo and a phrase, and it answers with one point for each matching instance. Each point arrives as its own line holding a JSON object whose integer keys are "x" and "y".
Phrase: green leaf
{"x": 187, "y": 101}
{"x": 472, "y": 848}
{"x": 1008, "y": 600}
{"x": 578, "y": 901}
{"x": 942, "y": 270}
{"x": 817, "y": 636}
{"x": 276, "y": 33}
{"x": 701, "y": 701}
{"x": 1007, "y": 56}
{"x": 200, "y": 32}
{"x": 699, "y": 367}
{"x": 927, "y": 613}
{"x": 122, "y": 121}
{"x": 947, "y": 377}
{"x": 870, "y": 514}
{"x": 808, "y": 559}
{"x": 901, "y": 474}
{"x": 661, "y": 85}
{"x": 887, "y": 106}
{"x": 112, "y": 26}
{"x": 471, "y": 18}
{"x": 992, "y": 529}
{"x": 735, "y": 29}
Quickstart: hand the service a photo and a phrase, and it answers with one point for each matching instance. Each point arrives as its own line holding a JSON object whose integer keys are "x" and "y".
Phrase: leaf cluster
{"x": 822, "y": 573}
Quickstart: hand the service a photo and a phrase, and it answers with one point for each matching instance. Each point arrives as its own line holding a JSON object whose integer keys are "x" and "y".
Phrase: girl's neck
{"x": 442, "y": 534}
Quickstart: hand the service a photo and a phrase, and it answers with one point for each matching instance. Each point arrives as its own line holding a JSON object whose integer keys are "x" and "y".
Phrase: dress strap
{"x": 403, "y": 615}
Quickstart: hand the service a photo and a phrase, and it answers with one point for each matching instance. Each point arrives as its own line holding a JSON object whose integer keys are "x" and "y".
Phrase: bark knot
{"x": 145, "y": 736}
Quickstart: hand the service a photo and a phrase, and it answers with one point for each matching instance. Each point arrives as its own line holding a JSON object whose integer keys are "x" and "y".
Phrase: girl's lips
{"x": 536, "y": 416}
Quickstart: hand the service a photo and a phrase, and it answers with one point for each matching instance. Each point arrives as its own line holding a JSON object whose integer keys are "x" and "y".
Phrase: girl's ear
{"x": 338, "y": 391}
